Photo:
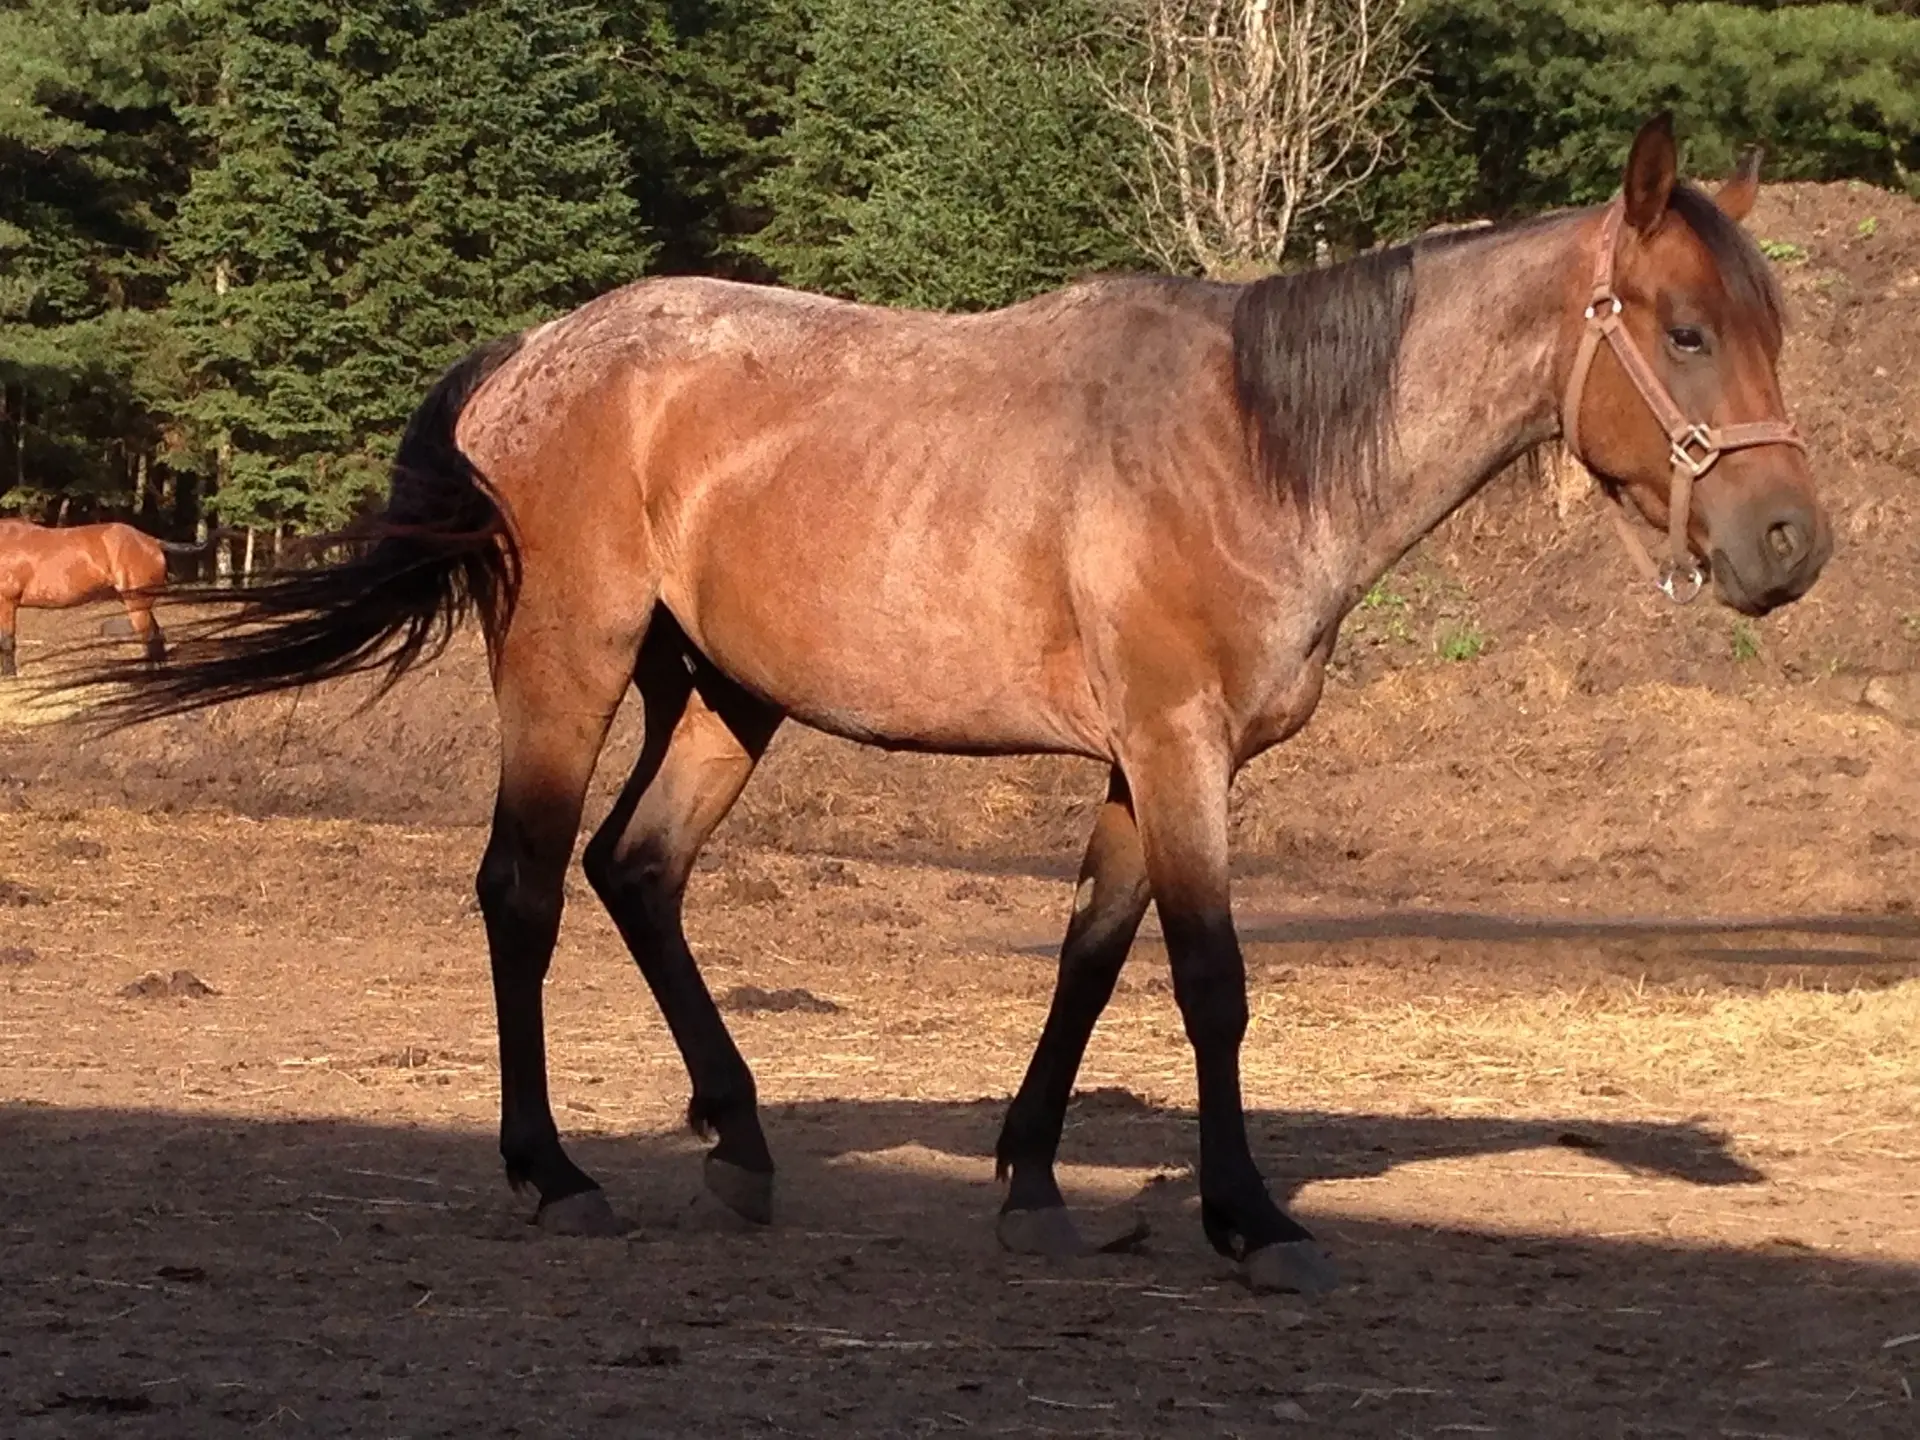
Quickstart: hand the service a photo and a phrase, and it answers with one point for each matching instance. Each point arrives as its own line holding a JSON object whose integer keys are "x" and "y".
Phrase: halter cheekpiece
{"x": 1695, "y": 448}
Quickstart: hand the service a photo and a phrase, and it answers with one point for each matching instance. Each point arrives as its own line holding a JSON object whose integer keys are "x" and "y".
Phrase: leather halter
{"x": 1695, "y": 448}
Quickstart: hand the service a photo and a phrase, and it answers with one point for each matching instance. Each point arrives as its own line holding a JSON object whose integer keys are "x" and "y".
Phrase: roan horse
{"x": 1122, "y": 521}
{"x": 47, "y": 568}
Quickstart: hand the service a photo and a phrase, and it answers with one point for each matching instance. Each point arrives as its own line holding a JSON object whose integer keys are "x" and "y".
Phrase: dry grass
{"x": 1851, "y": 1051}
{"x": 26, "y": 704}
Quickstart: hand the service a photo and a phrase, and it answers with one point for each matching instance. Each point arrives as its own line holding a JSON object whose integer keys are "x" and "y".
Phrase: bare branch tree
{"x": 1257, "y": 114}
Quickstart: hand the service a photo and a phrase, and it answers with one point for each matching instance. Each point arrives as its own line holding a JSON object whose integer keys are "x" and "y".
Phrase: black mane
{"x": 1743, "y": 269}
{"x": 1315, "y": 356}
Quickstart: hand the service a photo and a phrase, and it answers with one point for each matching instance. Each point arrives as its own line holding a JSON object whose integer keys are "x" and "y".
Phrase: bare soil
{"x": 1586, "y": 984}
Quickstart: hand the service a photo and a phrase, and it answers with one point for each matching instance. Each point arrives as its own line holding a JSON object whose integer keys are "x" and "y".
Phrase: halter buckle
{"x": 1683, "y": 454}
{"x": 1681, "y": 584}
{"x": 1593, "y": 310}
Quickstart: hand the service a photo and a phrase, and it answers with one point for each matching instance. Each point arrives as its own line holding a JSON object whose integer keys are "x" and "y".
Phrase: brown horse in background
{"x": 50, "y": 568}
{"x": 1122, "y": 521}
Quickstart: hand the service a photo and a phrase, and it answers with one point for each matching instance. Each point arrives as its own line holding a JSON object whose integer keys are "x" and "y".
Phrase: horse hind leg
{"x": 1109, "y": 902}
{"x": 145, "y": 627}
{"x": 9, "y": 617}
{"x": 558, "y": 679}
{"x": 704, "y": 736}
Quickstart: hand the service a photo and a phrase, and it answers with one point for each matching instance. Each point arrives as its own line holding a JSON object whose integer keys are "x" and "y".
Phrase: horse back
{"x": 896, "y": 524}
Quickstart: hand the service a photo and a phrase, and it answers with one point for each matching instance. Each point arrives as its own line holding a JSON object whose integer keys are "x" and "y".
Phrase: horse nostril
{"x": 1787, "y": 540}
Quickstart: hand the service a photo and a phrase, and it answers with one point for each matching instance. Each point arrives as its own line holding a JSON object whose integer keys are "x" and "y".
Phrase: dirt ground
{"x": 1586, "y": 982}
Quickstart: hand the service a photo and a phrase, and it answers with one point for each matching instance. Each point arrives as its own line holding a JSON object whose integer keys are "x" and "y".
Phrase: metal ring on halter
{"x": 1593, "y": 311}
{"x": 1710, "y": 453}
{"x": 1670, "y": 579}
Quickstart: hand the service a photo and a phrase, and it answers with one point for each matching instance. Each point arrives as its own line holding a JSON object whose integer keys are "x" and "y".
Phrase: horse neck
{"x": 1480, "y": 369}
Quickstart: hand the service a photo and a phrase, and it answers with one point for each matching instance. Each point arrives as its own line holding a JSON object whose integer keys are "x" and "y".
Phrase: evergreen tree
{"x": 391, "y": 182}
{"x": 946, "y": 153}
{"x": 90, "y": 160}
{"x": 704, "y": 90}
{"x": 1533, "y": 106}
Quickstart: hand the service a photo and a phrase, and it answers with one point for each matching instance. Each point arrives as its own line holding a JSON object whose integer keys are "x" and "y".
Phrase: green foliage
{"x": 945, "y": 153}
{"x": 1784, "y": 252}
{"x": 702, "y": 91}
{"x": 1746, "y": 642}
{"x": 1533, "y": 105}
{"x": 1461, "y": 642}
{"x": 88, "y": 161}
{"x": 1382, "y": 596}
{"x": 392, "y": 181}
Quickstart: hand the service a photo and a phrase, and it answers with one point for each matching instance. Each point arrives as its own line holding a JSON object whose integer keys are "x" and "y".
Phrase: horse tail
{"x": 194, "y": 547}
{"x": 440, "y": 550}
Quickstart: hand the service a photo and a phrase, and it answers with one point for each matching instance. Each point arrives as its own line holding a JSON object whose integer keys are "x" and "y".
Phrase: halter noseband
{"x": 1695, "y": 448}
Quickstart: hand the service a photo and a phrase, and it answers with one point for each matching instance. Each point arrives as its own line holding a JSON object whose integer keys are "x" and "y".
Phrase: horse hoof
{"x": 1052, "y": 1232}
{"x": 1049, "y": 1232}
{"x": 584, "y": 1214}
{"x": 748, "y": 1193}
{"x": 1297, "y": 1266}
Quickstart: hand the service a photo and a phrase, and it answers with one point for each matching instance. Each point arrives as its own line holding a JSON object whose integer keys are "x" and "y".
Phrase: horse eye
{"x": 1687, "y": 338}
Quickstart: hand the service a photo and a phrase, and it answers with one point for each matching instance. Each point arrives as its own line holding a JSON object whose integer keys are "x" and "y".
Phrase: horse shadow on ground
{"x": 1740, "y": 950}
{"x": 1113, "y": 1127}
{"x": 176, "y": 1273}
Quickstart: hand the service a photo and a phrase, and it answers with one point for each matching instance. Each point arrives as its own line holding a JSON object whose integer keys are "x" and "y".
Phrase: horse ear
{"x": 1651, "y": 170}
{"x": 1735, "y": 198}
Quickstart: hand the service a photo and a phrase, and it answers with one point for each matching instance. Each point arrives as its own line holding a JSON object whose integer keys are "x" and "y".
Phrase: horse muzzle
{"x": 1769, "y": 552}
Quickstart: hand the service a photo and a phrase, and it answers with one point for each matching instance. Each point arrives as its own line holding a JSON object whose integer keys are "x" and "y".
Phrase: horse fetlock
{"x": 732, "y": 1119}
{"x": 1240, "y": 1224}
{"x": 536, "y": 1161}
{"x": 1031, "y": 1184}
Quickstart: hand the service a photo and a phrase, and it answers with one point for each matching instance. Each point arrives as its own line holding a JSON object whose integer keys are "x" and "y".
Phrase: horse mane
{"x": 1743, "y": 269}
{"x": 1315, "y": 357}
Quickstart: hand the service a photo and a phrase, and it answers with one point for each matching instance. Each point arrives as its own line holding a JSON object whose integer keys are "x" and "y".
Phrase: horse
{"x": 1122, "y": 521}
{"x": 43, "y": 567}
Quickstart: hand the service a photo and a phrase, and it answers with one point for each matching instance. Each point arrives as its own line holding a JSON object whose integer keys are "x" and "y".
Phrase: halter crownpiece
{"x": 1695, "y": 448}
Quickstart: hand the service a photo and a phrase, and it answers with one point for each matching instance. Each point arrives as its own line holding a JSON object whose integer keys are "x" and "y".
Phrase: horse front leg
{"x": 1180, "y": 778}
{"x": 1108, "y": 904}
{"x": 9, "y": 617}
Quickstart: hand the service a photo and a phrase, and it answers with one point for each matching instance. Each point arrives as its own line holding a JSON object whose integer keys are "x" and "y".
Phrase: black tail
{"x": 441, "y": 549}
{"x": 194, "y": 547}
